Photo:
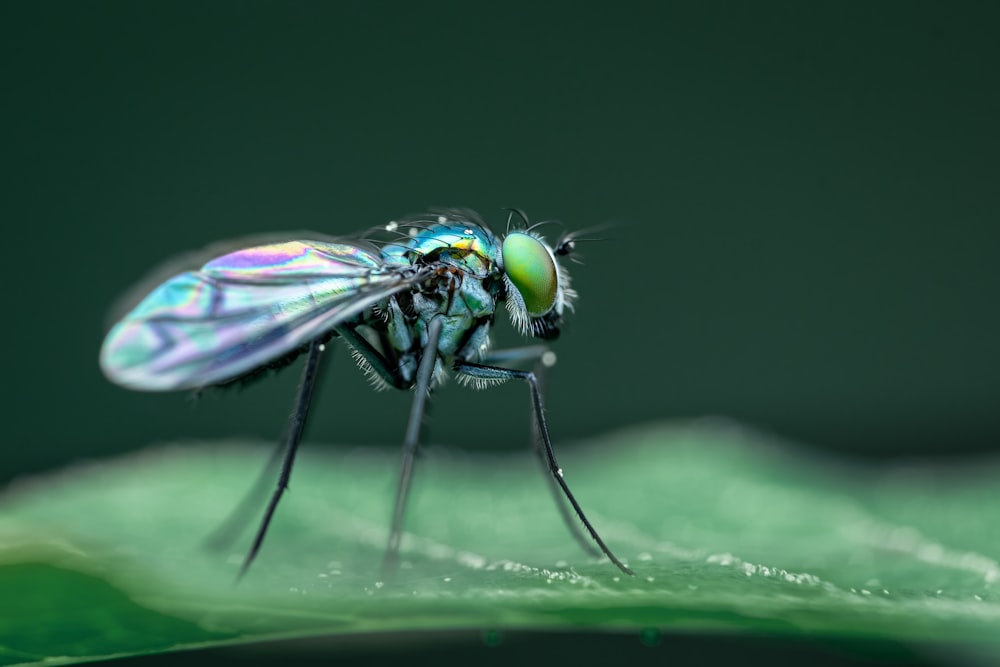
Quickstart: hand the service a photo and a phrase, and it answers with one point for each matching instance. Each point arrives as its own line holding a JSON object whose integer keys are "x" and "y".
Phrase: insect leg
{"x": 296, "y": 426}
{"x": 233, "y": 524}
{"x": 537, "y": 353}
{"x": 425, "y": 372}
{"x": 515, "y": 354}
{"x": 497, "y": 373}
{"x": 379, "y": 364}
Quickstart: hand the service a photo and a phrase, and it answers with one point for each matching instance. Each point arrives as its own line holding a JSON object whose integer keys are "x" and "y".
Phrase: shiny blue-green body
{"x": 463, "y": 290}
{"x": 255, "y": 306}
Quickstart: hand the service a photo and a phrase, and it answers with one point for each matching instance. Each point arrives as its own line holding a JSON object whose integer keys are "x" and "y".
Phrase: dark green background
{"x": 806, "y": 201}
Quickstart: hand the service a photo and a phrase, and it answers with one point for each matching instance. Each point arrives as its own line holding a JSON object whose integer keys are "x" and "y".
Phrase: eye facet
{"x": 530, "y": 266}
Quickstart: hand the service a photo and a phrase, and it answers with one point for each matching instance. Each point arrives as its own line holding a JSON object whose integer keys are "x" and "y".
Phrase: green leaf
{"x": 725, "y": 529}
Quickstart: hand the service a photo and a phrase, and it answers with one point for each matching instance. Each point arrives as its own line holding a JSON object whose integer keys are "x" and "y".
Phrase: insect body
{"x": 412, "y": 307}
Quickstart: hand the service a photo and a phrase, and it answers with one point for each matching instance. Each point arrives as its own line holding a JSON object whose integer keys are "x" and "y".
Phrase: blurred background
{"x": 803, "y": 197}
{"x": 803, "y": 202}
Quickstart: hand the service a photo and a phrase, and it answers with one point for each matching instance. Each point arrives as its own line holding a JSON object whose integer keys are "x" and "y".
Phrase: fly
{"x": 413, "y": 304}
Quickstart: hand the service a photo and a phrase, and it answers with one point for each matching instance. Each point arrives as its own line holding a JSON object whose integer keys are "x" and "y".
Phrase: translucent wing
{"x": 193, "y": 260}
{"x": 244, "y": 309}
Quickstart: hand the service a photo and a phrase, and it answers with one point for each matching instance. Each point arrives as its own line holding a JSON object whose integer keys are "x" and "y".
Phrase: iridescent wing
{"x": 244, "y": 309}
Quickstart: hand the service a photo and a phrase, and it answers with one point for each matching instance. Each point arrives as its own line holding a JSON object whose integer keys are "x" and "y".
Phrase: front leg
{"x": 543, "y": 359}
{"x": 485, "y": 372}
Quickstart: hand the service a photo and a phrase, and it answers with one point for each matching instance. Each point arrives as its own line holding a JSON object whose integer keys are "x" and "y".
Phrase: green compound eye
{"x": 530, "y": 266}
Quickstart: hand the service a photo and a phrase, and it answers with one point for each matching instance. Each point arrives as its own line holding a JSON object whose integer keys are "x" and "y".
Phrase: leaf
{"x": 725, "y": 529}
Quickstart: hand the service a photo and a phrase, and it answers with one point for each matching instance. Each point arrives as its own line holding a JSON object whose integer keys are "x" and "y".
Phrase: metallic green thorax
{"x": 473, "y": 270}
